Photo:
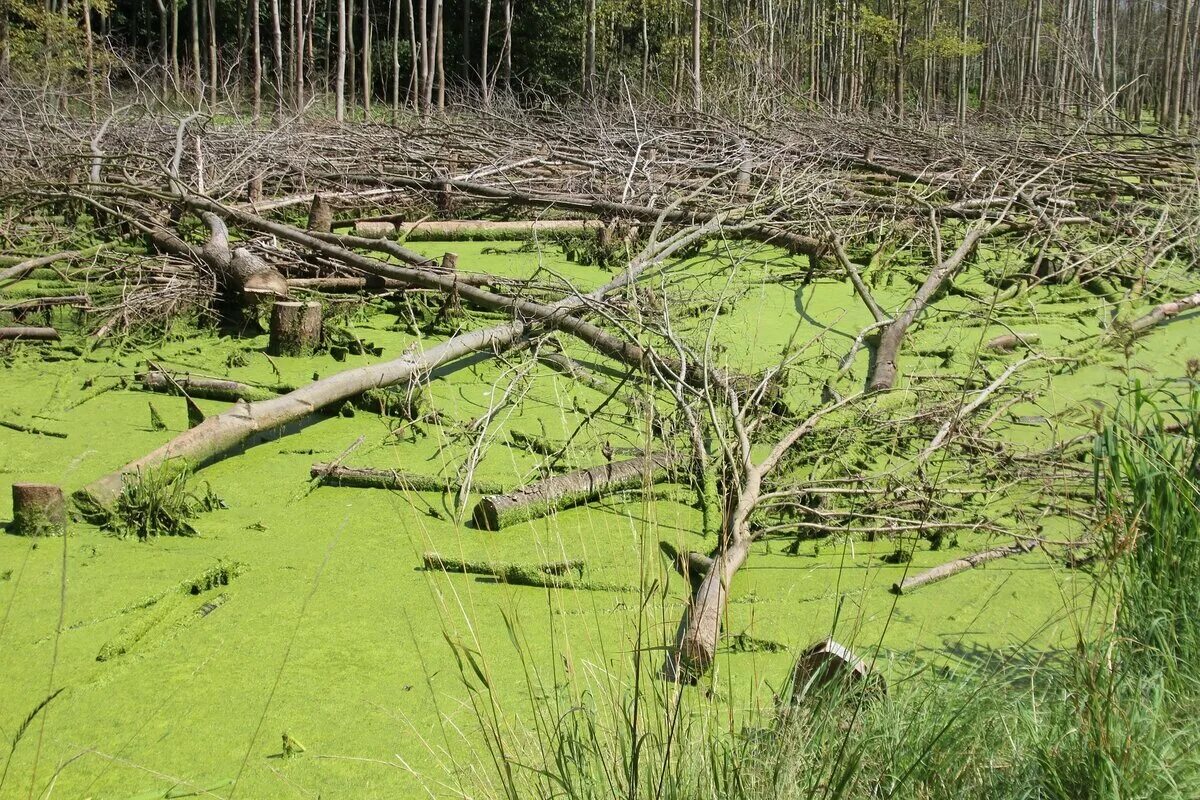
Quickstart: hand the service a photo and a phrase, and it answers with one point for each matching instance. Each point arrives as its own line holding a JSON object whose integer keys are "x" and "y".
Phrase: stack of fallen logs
{"x": 827, "y": 204}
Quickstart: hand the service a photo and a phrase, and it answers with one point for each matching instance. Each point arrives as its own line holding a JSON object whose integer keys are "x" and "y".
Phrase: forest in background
{"x": 1125, "y": 61}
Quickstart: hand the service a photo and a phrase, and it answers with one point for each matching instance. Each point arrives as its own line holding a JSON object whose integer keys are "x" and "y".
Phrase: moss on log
{"x": 363, "y": 478}
{"x": 39, "y": 509}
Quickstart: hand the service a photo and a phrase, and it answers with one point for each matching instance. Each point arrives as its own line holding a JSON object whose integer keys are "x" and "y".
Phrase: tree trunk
{"x": 484, "y": 74}
{"x": 915, "y": 582}
{"x": 367, "y": 72}
{"x": 256, "y": 35}
{"x": 14, "y": 332}
{"x": 563, "y": 491}
{"x": 697, "y": 88}
{"x": 340, "y": 112}
{"x": 39, "y": 509}
{"x": 197, "y": 78}
{"x": 361, "y": 478}
{"x": 277, "y": 34}
{"x": 295, "y": 329}
{"x": 205, "y": 388}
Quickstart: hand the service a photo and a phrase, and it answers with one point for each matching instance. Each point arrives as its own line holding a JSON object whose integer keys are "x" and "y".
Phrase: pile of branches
{"x": 227, "y": 202}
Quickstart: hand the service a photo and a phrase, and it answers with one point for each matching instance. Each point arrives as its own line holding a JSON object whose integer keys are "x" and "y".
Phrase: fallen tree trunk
{"x": 480, "y": 229}
{"x": 692, "y": 566}
{"x": 242, "y": 275}
{"x": 499, "y": 569}
{"x": 333, "y": 285}
{"x": 363, "y": 478}
{"x": 885, "y": 363}
{"x": 960, "y": 565}
{"x": 1164, "y": 312}
{"x": 223, "y": 432}
{"x": 563, "y": 491}
{"x": 1010, "y": 341}
{"x": 204, "y": 388}
{"x": 30, "y": 334}
{"x": 559, "y": 316}
{"x": 772, "y": 234}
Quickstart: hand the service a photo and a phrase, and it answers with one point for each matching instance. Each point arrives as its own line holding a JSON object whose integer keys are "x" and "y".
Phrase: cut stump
{"x": 39, "y": 509}
{"x": 295, "y": 329}
{"x": 827, "y": 661}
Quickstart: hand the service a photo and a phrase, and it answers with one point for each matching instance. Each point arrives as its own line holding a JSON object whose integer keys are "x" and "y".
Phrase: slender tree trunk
{"x": 89, "y": 54}
{"x": 484, "y": 75}
{"x": 340, "y": 101}
{"x": 175, "y": 78}
{"x": 256, "y": 35}
{"x": 277, "y": 34}
{"x": 506, "y": 47}
{"x": 441, "y": 54}
{"x": 197, "y": 78}
{"x": 212, "y": 54}
{"x": 367, "y": 73}
{"x": 164, "y": 38}
{"x": 589, "y": 51}
{"x": 964, "y": 11}
{"x": 395, "y": 17}
{"x": 697, "y": 88}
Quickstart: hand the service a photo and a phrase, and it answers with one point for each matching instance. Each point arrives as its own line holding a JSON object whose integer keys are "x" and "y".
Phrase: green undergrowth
{"x": 333, "y": 632}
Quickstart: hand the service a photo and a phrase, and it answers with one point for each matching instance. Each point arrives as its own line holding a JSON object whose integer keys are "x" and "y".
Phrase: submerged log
{"x": 1011, "y": 341}
{"x": 434, "y": 561}
{"x": 204, "y": 388}
{"x": 960, "y": 565}
{"x": 542, "y": 576}
{"x": 295, "y": 328}
{"x": 563, "y": 491}
{"x": 29, "y": 334}
{"x": 39, "y": 509}
{"x": 363, "y": 478}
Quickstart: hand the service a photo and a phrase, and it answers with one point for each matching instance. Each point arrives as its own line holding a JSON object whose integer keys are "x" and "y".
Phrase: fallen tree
{"x": 218, "y": 434}
{"x": 573, "y": 488}
{"x": 958, "y": 565}
{"x": 205, "y": 388}
{"x": 396, "y": 480}
{"x": 500, "y": 569}
{"x": 29, "y": 334}
{"x": 484, "y": 229}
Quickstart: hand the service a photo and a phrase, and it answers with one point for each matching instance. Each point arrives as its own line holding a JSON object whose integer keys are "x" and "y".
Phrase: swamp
{"x": 588, "y": 447}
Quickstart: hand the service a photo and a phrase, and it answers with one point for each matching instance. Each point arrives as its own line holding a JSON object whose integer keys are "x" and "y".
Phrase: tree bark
{"x": 362, "y": 478}
{"x": 295, "y": 329}
{"x": 563, "y": 491}
{"x": 942, "y": 571}
{"x": 27, "y": 333}
{"x": 39, "y": 509}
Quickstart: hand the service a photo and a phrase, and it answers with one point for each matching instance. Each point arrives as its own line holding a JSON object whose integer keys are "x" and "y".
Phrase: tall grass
{"x": 1116, "y": 717}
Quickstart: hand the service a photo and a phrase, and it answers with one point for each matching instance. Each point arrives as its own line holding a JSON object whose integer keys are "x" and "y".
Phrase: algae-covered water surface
{"x": 296, "y": 647}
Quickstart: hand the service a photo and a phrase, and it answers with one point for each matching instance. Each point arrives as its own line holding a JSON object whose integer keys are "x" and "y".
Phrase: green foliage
{"x": 46, "y": 45}
{"x": 156, "y": 502}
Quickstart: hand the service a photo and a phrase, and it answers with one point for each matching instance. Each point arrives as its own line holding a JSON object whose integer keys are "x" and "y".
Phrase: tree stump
{"x": 450, "y": 262}
{"x": 39, "y": 509}
{"x": 320, "y": 215}
{"x": 295, "y": 329}
{"x": 828, "y": 662}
